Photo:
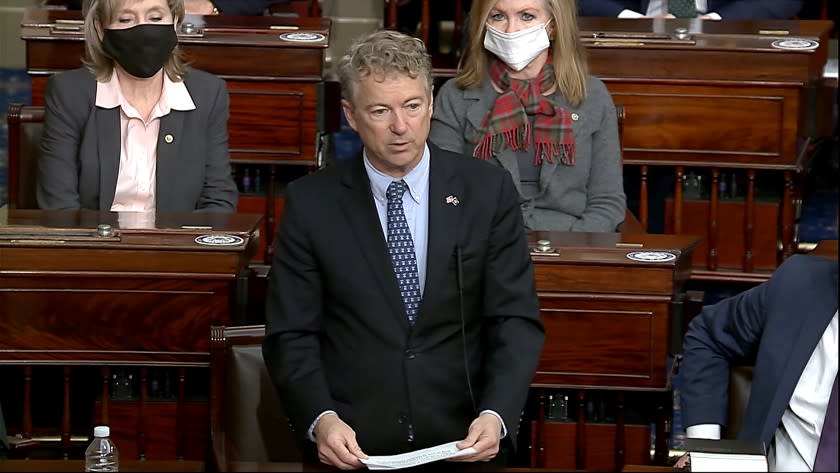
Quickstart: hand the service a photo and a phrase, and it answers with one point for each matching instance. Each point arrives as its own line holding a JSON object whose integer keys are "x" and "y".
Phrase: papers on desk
{"x": 417, "y": 457}
{"x": 725, "y": 455}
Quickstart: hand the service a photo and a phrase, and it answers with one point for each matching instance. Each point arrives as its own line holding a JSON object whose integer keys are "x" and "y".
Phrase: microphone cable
{"x": 460, "y": 274}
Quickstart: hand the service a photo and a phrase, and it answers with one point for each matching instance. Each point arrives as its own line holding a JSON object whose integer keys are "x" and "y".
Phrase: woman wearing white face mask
{"x": 525, "y": 101}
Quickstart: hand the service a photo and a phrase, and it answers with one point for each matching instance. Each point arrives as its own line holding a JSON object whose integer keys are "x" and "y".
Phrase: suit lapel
{"x": 108, "y": 148}
{"x": 444, "y": 216}
{"x": 168, "y": 153}
{"x": 357, "y": 202}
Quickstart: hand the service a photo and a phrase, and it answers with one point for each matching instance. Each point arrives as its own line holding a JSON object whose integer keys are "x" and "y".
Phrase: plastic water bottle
{"x": 102, "y": 454}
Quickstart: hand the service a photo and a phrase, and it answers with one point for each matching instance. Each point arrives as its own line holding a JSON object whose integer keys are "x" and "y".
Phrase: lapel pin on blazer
{"x": 453, "y": 200}
{"x": 168, "y": 138}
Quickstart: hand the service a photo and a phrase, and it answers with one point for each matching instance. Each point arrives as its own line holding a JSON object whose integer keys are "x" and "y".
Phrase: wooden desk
{"x": 826, "y": 249}
{"x": 609, "y": 322}
{"x": 79, "y": 465}
{"x": 143, "y": 298}
{"x": 723, "y": 99}
{"x": 280, "y": 105}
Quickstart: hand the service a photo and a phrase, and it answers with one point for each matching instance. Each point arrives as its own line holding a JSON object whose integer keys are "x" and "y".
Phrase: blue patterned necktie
{"x": 401, "y": 249}
{"x": 683, "y": 8}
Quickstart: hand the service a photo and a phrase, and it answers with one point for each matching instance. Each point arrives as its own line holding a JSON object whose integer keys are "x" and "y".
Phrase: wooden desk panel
{"x": 79, "y": 465}
{"x": 609, "y": 324}
{"x": 143, "y": 298}
{"x": 607, "y": 317}
{"x": 598, "y": 342}
{"x": 85, "y": 298}
{"x": 288, "y": 137}
{"x": 723, "y": 97}
{"x": 707, "y": 125}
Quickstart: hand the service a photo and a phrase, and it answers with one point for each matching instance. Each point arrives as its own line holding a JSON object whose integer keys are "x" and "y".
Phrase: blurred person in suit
{"x": 787, "y": 329}
{"x": 401, "y": 308}
{"x": 214, "y": 7}
{"x": 229, "y": 7}
{"x": 524, "y": 101}
{"x": 704, "y": 9}
{"x": 135, "y": 129}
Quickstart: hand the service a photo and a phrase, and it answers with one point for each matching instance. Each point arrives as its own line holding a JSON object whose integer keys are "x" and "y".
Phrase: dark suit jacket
{"x": 337, "y": 336}
{"x": 80, "y": 148}
{"x": 728, "y": 9}
{"x": 227, "y": 7}
{"x": 244, "y": 7}
{"x": 775, "y": 327}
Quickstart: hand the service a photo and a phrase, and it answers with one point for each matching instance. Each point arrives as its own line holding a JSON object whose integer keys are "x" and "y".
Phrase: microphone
{"x": 459, "y": 269}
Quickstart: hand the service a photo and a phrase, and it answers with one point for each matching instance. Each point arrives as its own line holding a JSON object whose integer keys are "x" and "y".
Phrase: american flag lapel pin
{"x": 451, "y": 199}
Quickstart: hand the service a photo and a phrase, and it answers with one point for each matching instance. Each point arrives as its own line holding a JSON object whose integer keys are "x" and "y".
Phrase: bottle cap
{"x": 101, "y": 431}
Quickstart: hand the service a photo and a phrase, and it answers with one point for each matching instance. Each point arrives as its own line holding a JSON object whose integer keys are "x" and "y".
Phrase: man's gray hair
{"x": 383, "y": 53}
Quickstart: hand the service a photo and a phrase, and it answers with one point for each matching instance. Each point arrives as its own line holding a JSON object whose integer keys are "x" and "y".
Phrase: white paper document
{"x": 417, "y": 457}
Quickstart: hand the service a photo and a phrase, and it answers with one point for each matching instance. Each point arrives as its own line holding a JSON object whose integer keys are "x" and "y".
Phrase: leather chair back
{"x": 25, "y": 124}
{"x": 740, "y": 382}
{"x": 247, "y": 419}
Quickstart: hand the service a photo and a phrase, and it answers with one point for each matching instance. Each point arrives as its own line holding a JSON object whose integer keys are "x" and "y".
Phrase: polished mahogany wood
{"x": 723, "y": 97}
{"x": 79, "y": 465}
{"x": 144, "y": 296}
{"x": 742, "y": 224}
{"x": 16, "y": 116}
{"x": 826, "y": 249}
{"x": 602, "y": 454}
{"x": 609, "y": 324}
{"x": 154, "y": 282}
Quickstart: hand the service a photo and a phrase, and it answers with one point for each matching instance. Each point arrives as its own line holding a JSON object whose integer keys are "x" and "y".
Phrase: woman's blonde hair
{"x": 569, "y": 56}
{"x": 381, "y": 53}
{"x": 101, "y": 13}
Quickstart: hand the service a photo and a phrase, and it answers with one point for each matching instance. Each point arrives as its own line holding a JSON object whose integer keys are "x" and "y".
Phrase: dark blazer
{"x": 337, "y": 336}
{"x": 728, "y": 9}
{"x": 227, "y": 7}
{"x": 244, "y": 7}
{"x": 774, "y": 326}
{"x": 80, "y": 148}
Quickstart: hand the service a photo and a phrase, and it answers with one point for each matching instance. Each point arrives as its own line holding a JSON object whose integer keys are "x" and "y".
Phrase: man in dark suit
{"x": 375, "y": 354}
{"x": 786, "y": 328}
{"x": 707, "y": 9}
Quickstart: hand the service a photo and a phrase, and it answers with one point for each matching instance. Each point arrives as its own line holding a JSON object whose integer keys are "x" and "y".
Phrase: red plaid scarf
{"x": 506, "y": 124}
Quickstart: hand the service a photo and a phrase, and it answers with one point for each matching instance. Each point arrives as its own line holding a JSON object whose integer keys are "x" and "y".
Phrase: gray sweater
{"x": 586, "y": 197}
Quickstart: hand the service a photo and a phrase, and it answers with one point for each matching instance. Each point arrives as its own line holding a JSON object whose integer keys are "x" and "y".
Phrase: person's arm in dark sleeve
{"x": 244, "y": 7}
{"x": 760, "y": 9}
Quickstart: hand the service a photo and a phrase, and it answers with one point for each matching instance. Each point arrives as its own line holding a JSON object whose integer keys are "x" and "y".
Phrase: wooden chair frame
{"x": 23, "y": 166}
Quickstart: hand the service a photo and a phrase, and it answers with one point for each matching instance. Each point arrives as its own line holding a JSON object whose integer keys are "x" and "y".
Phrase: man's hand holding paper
{"x": 483, "y": 436}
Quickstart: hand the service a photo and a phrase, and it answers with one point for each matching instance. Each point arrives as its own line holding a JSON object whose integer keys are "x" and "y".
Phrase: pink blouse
{"x": 138, "y": 141}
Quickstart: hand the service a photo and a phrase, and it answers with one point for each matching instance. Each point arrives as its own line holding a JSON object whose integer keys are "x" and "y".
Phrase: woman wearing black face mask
{"x": 525, "y": 101}
{"x": 135, "y": 130}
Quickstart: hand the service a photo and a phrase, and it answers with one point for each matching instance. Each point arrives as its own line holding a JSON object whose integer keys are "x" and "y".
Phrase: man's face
{"x": 392, "y": 115}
